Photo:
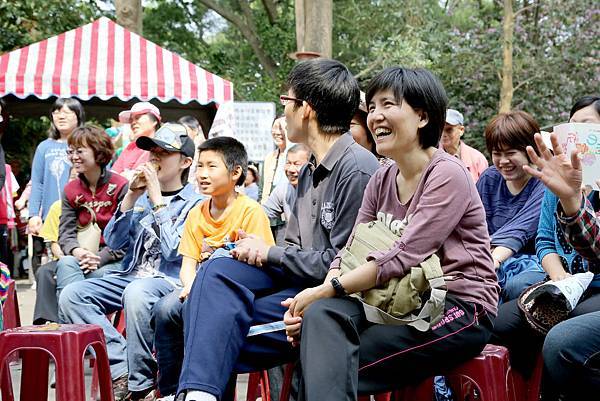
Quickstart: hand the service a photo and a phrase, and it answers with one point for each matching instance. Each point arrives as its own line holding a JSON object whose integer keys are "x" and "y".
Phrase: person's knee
{"x": 558, "y": 349}
{"x": 167, "y": 310}
{"x": 67, "y": 262}
{"x": 317, "y": 311}
{"x": 72, "y": 295}
{"x": 135, "y": 296}
{"x": 46, "y": 271}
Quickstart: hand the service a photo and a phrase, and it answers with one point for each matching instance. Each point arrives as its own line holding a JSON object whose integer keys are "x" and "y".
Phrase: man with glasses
{"x": 319, "y": 106}
{"x": 148, "y": 222}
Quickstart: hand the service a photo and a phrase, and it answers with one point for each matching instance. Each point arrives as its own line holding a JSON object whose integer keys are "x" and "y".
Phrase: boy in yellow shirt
{"x": 214, "y": 223}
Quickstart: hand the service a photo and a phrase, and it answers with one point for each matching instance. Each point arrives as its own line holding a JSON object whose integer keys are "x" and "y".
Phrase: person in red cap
{"x": 144, "y": 119}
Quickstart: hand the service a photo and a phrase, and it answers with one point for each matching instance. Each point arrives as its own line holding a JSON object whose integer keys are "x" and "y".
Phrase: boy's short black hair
{"x": 233, "y": 152}
{"x": 421, "y": 90}
{"x": 330, "y": 89}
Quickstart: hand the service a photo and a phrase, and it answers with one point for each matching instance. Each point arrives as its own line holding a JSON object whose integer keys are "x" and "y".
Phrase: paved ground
{"x": 26, "y": 297}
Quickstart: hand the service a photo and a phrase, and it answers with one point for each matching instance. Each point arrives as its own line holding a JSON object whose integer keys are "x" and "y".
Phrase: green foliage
{"x": 27, "y": 21}
{"x": 555, "y": 50}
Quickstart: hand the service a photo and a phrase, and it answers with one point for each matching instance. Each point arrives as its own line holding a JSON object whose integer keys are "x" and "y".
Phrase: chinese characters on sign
{"x": 248, "y": 122}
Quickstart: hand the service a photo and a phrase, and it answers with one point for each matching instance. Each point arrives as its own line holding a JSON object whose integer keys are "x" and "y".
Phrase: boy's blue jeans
{"x": 89, "y": 301}
{"x": 227, "y": 298}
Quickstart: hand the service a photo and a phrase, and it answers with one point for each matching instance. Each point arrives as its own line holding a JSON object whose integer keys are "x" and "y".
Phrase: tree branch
{"x": 520, "y": 11}
{"x": 271, "y": 10}
{"x": 247, "y": 28}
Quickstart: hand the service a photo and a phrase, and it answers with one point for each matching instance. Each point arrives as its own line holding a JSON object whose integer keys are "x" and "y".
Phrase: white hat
{"x": 139, "y": 108}
{"x": 453, "y": 117}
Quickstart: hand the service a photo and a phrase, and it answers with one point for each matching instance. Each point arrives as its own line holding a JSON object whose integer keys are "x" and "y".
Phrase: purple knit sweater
{"x": 447, "y": 218}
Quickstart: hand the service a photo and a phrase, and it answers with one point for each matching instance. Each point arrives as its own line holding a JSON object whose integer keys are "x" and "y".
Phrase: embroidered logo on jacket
{"x": 110, "y": 191}
{"x": 327, "y": 215}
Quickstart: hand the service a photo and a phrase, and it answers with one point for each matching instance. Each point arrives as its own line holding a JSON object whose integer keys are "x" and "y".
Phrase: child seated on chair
{"x": 223, "y": 218}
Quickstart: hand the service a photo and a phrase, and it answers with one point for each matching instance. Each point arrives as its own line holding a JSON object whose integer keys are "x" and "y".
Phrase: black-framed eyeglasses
{"x": 285, "y": 99}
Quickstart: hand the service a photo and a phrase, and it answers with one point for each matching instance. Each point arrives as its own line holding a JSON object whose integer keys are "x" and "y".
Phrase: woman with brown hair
{"x": 512, "y": 200}
{"x": 91, "y": 198}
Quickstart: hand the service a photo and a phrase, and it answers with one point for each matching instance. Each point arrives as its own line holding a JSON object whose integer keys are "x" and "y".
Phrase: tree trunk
{"x": 314, "y": 26}
{"x": 129, "y": 14}
{"x": 508, "y": 26}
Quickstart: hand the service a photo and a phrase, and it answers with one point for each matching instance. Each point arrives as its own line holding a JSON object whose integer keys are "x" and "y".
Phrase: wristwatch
{"x": 339, "y": 289}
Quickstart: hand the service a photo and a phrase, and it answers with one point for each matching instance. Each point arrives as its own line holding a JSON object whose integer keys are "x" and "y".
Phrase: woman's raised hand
{"x": 559, "y": 173}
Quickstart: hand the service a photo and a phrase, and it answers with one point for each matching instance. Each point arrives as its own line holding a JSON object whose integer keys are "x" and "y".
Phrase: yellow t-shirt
{"x": 49, "y": 229}
{"x": 201, "y": 232}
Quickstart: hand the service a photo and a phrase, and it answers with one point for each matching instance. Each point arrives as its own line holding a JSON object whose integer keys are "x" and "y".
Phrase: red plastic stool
{"x": 67, "y": 345}
{"x": 528, "y": 389}
{"x": 488, "y": 375}
{"x": 119, "y": 323}
{"x": 258, "y": 383}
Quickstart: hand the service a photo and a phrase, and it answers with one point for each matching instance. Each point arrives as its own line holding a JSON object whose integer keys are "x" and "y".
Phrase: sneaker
{"x": 120, "y": 388}
{"x": 167, "y": 398}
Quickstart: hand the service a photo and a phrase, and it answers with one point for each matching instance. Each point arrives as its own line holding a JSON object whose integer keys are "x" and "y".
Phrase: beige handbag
{"x": 89, "y": 236}
{"x": 399, "y": 301}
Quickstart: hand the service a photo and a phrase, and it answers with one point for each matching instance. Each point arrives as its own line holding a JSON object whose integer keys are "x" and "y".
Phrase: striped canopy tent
{"x": 108, "y": 68}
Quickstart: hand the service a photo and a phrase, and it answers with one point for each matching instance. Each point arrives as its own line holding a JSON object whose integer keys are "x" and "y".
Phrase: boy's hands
{"x": 250, "y": 249}
{"x": 185, "y": 291}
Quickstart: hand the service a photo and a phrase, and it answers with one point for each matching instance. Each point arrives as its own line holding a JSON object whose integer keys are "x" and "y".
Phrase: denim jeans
{"x": 167, "y": 320}
{"x": 228, "y": 297}
{"x": 68, "y": 271}
{"x": 572, "y": 357}
{"x": 88, "y": 301}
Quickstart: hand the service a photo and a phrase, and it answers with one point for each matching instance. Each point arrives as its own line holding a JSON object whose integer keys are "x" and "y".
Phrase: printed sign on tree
{"x": 586, "y": 139}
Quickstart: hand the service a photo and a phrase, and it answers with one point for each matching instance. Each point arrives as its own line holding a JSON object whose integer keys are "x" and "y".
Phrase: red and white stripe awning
{"x": 105, "y": 60}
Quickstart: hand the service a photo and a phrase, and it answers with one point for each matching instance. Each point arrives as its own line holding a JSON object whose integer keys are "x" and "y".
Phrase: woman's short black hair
{"x": 330, "y": 89}
{"x": 422, "y": 90}
{"x": 584, "y": 102}
{"x": 73, "y": 105}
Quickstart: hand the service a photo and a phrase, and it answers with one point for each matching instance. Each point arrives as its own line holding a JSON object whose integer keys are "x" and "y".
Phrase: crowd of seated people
{"x": 196, "y": 267}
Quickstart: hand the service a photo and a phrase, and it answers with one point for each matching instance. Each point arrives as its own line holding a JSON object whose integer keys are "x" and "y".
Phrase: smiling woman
{"x": 91, "y": 198}
{"x": 512, "y": 201}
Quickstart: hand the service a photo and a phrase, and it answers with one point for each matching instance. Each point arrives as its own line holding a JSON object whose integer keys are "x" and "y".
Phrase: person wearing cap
{"x": 144, "y": 119}
{"x": 149, "y": 223}
{"x": 451, "y": 142}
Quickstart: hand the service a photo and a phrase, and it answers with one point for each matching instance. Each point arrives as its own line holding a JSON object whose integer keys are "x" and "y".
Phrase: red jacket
{"x": 104, "y": 202}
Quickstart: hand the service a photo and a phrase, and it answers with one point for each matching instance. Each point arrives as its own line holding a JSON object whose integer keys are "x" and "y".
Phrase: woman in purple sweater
{"x": 342, "y": 353}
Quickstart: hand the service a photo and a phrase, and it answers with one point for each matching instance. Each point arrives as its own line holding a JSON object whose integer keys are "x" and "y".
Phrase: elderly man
{"x": 453, "y": 130}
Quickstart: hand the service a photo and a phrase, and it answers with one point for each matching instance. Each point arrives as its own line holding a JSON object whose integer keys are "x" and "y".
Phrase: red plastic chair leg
{"x": 34, "y": 374}
{"x": 6, "y": 383}
{"x": 286, "y": 386}
{"x": 253, "y": 385}
{"x": 265, "y": 387}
